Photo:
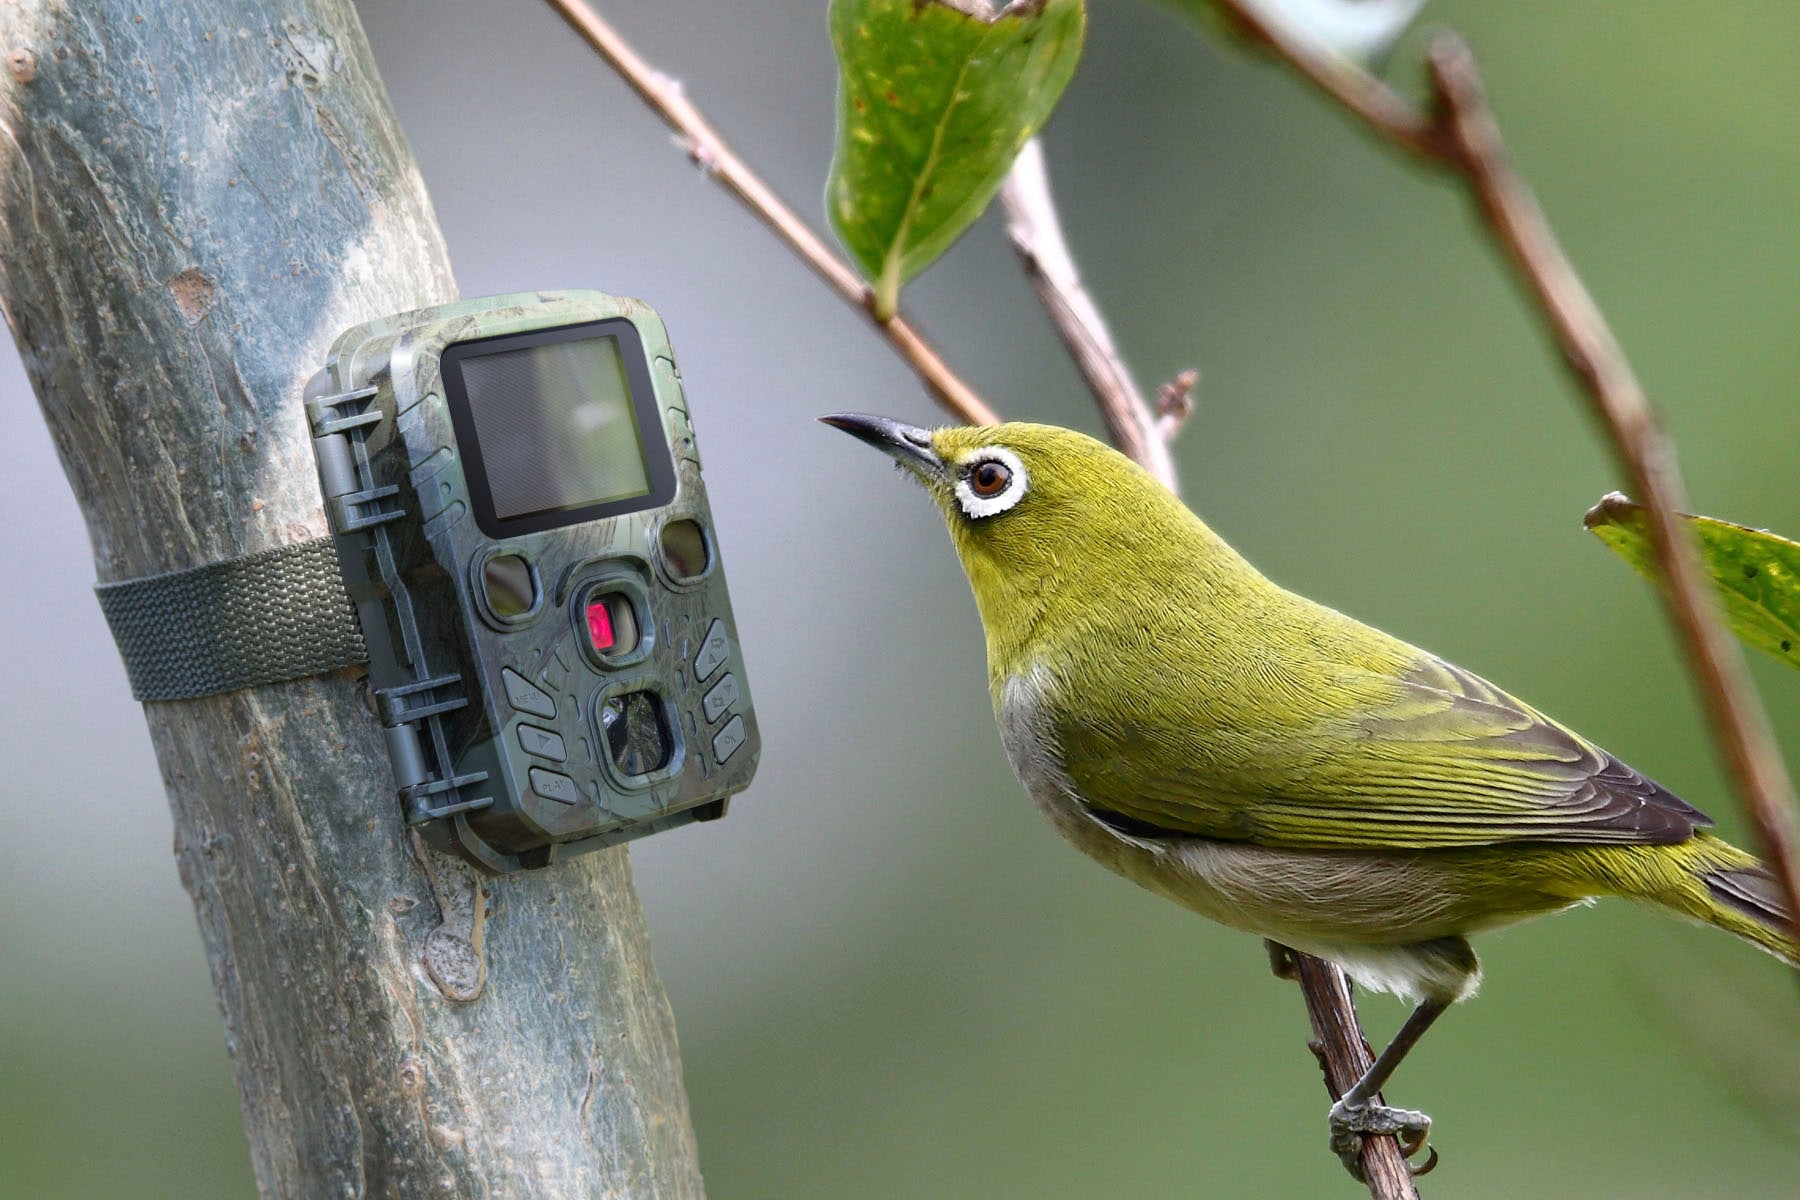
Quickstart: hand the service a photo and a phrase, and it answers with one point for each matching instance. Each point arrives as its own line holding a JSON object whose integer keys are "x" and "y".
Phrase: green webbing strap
{"x": 266, "y": 617}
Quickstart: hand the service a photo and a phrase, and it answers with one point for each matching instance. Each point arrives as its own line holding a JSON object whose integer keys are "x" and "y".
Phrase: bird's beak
{"x": 908, "y": 445}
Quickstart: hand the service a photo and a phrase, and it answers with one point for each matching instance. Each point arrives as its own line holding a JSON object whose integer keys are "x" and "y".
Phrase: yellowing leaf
{"x": 935, "y": 100}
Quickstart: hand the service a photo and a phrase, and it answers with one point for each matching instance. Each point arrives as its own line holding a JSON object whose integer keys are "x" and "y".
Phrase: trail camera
{"x": 514, "y": 492}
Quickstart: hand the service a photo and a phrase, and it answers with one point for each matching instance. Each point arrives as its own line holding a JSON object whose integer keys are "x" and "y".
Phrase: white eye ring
{"x": 977, "y": 507}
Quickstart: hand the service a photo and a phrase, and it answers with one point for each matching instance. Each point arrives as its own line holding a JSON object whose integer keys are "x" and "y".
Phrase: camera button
{"x": 542, "y": 743}
{"x": 728, "y": 739}
{"x": 553, "y": 786}
{"x": 525, "y": 695}
{"x": 724, "y": 694}
{"x": 713, "y": 651}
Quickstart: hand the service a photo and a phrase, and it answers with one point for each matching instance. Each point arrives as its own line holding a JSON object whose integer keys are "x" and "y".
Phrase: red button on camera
{"x": 600, "y": 625}
{"x": 613, "y": 625}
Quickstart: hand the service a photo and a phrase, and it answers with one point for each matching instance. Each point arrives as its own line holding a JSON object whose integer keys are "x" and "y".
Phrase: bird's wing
{"x": 1431, "y": 758}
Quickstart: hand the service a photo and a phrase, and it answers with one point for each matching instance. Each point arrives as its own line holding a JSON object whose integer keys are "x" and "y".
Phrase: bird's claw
{"x": 1351, "y": 1123}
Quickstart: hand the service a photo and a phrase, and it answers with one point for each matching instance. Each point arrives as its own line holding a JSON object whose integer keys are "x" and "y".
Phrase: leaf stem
{"x": 718, "y": 161}
{"x": 886, "y": 296}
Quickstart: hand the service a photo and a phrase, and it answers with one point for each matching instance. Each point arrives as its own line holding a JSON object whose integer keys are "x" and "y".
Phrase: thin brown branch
{"x": 1343, "y": 1057}
{"x": 1518, "y": 224}
{"x": 721, "y": 163}
{"x": 1379, "y": 106}
{"x": 1037, "y": 236}
{"x": 1461, "y": 135}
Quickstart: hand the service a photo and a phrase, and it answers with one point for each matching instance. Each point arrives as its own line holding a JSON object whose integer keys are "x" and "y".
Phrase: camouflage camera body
{"x": 503, "y": 707}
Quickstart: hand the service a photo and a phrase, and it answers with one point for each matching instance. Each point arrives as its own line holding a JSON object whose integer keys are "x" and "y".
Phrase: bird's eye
{"x": 989, "y": 479}
{"x": 988, "y": 485}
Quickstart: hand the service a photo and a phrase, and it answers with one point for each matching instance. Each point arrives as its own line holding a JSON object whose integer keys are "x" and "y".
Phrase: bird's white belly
{"x": 1358, "y": 909}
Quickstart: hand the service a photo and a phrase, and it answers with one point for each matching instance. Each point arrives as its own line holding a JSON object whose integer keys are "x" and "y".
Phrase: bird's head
{"x": 1040, "y": 515}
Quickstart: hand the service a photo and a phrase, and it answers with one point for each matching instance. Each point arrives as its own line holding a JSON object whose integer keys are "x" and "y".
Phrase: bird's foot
{"x": 1350, "y": 1123}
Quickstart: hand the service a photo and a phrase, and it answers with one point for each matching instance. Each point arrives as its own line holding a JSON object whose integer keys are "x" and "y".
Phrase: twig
{"x": 1175, "y": 403}
{"x": 1461, "y": 135}
{"x": 1380, "y": 107}
{"x": 1343, "y": 1057}
{"x": 1739, "y": 723}
{"x": 1037, "y": 236}
{"x": 720, "y": 162}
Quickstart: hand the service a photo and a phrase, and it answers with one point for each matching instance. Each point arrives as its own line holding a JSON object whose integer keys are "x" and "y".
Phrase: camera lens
{"x": 637, "y": 737}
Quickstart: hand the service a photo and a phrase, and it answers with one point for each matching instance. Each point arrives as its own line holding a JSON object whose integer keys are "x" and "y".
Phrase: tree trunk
{"x": 195, "y": 198}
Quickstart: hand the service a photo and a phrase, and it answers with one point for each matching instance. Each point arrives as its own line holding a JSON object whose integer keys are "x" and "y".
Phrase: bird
{"x": 1277, "y": 766}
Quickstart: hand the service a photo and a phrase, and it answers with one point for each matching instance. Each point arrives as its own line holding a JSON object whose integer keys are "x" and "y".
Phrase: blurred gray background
{"x": 891, "y": 980}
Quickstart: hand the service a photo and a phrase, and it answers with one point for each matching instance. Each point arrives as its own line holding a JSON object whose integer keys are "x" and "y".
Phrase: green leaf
{"x": 1757, "y": 572}
{"x": 935, "y": 100}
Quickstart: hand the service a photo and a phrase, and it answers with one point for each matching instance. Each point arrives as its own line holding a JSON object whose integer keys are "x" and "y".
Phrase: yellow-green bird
{"x": 1275, "y": 765}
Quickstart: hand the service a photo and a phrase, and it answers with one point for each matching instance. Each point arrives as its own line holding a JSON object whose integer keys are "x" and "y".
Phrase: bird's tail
{"x": 1712, "y": 881}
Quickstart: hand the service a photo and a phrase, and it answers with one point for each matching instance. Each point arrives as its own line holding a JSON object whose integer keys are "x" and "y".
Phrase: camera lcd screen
{"x": 556, "y": 426}
{"x": 557, "y": 423}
